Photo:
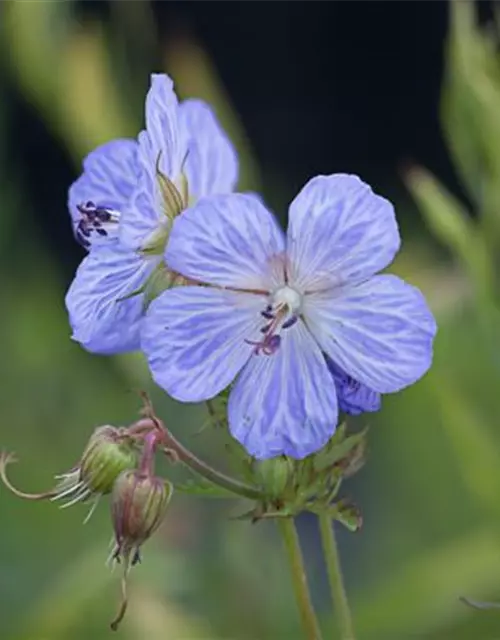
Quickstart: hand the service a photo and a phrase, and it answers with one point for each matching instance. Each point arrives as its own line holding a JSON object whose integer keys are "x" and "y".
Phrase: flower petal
{"x": 101, "y": 321}
{"x": 379, "y": 332}
{"x": 162, "y": 125}
{"x": 339, "y": 231}
{"x": 353, "y": 397}
{"x": 211, "y": 165}
{"x": 284, "y": 404}
{"x": 194, "y": 339}
{"x": 230, "y": 240}
{"x": 160, "y": 146}
{"x": 110, "y": 174}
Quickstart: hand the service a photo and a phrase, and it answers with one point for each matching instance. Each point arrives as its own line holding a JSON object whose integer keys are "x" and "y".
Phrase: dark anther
{"x": 267, "y": 314}
{"x": 289, "y": 323}
{"x": 92, "y": 219}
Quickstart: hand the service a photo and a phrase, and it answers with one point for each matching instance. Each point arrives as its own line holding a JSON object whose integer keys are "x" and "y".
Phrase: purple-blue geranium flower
{"x": 122, "y": 208}
{"x": 301, "y": 323}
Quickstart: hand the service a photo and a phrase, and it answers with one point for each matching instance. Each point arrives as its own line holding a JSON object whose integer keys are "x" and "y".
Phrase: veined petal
{"x": 194, "y": 339}
{"x": 110, "y": 175}
{"x": 211, "y": 165}
{"x": 380, "y": 332}
{"x": 162, "y": 126}
{"x": 284, "y": 403}
{"x": 161, "y": 147}
{"x": 353, "y": 397}
{"x": 101, "y": 320}
{"x": 228, "y": 240}
{"x": 144, "y": 215}
{"x": 339, "y": 231}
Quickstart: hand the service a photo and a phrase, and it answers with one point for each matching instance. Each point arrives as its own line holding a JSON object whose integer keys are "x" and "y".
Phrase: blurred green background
{"x": 74, "y": 75}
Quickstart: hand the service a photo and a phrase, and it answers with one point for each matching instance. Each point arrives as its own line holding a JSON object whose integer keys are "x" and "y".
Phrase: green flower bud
{"x": 107, "y": 454}
{"x": 138, "y": 505}
{"x": 273, "y": 475}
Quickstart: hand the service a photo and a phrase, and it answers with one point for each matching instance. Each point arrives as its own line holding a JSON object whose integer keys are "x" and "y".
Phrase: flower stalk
{"x": 174, "y": 449}
{"x": 335, "y": 579}
{"x": 295, "y": 559}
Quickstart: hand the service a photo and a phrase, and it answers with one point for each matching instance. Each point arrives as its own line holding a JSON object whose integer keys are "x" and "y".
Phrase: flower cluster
{"x": 299, "y": 325}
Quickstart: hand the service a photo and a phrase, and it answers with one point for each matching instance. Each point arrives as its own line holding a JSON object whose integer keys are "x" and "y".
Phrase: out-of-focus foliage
{"x": 430, "y": 492}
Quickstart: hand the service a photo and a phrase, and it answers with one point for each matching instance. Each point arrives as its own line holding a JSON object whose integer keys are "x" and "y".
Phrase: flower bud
{"x": 107, "y": 454}
{"x": 138, "y": 505}
{"x": 273, "y": 475}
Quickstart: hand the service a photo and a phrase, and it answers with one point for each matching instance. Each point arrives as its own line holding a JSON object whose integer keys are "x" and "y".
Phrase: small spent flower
{"x": 300, "y": 324}
{"x": 138, "y": 504}
{"x": 122, "y": 208}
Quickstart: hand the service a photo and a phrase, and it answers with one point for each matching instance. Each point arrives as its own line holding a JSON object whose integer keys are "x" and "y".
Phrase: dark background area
{"x": 320, "y": 87}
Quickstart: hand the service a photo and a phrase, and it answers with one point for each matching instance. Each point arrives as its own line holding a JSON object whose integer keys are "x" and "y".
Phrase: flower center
{"x": 281, "y": 313}
{"x": 94, "y": 220}
{"x": 286, "y": 296}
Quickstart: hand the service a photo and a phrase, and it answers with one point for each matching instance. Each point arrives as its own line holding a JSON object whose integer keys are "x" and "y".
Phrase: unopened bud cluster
{"x": 117, "y": 462}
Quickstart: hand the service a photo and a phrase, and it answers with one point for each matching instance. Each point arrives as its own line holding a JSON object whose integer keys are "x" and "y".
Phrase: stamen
{"x": 94, "y": 218}
{"x": 281, "y": 312}
{"x": 271, "y": 342}
{"x": 290, "y": 322}
{"x": 267, "y": 314}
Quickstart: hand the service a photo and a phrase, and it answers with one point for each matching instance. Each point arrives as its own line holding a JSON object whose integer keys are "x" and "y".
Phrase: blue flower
{"x": 122, "y": 208}
{"x": 301, "y": 323}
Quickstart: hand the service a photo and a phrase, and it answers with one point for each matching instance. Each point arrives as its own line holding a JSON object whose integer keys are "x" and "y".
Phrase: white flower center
{"x": 281, "y": 313}
{"x": 286, "y": 296}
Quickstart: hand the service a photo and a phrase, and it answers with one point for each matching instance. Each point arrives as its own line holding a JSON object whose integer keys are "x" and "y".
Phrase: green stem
{"x": 208, "y": 472}
{"x": 172, "y": 447}
{"x": 337, "y": 589}
{"x": 296, "y": 561}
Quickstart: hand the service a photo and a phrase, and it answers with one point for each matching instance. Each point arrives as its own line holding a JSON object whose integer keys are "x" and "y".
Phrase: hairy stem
{"x": 337, "y": 589}
{"x": 173, "y": 448}
{"x": 208, "y": 472}
{"x": 292, "y": 545}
